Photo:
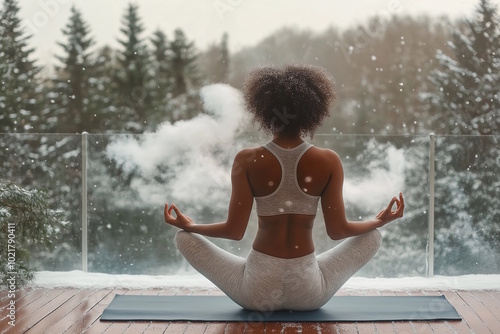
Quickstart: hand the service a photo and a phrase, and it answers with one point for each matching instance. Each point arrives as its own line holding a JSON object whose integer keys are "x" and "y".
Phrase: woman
{"x": 287, "y": 177}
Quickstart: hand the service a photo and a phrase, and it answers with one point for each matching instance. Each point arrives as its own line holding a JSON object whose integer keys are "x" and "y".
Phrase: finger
{"x": 170, "y": 210}
{"x": 389, "y": 207}
{"x": 173, "y": 208}
{"x": 401, "y": 204}
{"x": 167, "y": 212}
{"x": 399, "y": 211}
{"x": 177, "y": 211}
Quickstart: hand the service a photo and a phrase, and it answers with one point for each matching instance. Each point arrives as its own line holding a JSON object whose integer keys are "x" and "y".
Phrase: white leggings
{"x": 266, "y": 283}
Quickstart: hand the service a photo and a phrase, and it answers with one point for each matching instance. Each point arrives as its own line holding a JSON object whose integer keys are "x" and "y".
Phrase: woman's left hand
{"x": 180, "y": 220}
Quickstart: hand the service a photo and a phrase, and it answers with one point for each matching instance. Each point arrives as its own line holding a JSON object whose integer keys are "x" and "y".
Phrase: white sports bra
{"x": 288, "y": 198}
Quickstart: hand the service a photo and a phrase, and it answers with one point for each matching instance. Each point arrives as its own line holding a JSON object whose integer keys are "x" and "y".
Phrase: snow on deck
{"x": 85, "y": 280}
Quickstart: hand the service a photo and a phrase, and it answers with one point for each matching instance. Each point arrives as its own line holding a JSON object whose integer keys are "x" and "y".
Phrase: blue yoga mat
{"x": 221, "y": 308}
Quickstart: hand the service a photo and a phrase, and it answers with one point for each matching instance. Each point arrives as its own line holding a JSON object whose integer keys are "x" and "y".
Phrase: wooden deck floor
{"x": 71, "y": 311}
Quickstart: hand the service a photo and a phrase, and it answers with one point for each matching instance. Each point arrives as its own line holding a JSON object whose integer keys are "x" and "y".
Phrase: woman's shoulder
{"x": 249, "y": 154}
{"x": 326, "y": 154}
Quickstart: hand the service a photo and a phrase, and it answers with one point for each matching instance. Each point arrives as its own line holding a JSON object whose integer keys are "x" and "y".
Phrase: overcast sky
{"x": 204, "y": 21}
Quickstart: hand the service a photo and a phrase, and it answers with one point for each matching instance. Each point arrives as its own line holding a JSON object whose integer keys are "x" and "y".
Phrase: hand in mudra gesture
{"x": 180, "y": 220}
{"x": 389, "y": 214}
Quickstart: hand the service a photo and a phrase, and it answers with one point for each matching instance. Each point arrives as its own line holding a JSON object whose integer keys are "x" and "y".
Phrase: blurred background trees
{"x": 386, "y": 71}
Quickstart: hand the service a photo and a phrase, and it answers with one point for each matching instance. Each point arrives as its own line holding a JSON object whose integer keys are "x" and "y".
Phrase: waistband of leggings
{"x": 275, "y": 259}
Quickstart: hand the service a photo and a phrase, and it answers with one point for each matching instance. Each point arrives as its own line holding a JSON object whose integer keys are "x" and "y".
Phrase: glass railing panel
{"x": 129, "y": 182}
{"x": 127, "y": 234}
{"x": 376, "y": 168}
{"x": 130, "y": 177}
{"x": 467, "y": 212}
{"x": 50, "y": 163}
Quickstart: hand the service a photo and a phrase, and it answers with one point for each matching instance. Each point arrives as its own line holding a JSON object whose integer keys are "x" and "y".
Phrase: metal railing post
{"x": 84, "y": 203}
{"x": 432, "y": 173}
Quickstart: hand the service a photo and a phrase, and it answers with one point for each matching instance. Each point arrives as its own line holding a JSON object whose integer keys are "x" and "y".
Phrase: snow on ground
{"x": 83, "y": 280}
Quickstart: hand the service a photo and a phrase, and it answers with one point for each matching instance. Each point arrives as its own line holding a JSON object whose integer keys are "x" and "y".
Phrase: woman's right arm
{"x": 332, "y": 203}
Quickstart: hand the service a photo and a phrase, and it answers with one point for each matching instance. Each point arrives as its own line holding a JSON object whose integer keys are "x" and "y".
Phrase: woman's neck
{"x": 287, "y": 142}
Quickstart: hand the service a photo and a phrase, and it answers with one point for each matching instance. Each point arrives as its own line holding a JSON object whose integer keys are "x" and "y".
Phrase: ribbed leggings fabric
{"x": 265, "y": 283}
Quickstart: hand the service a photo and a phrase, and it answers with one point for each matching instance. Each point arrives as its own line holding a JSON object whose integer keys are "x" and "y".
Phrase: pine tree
{"x": 466, "y": 101}
{"x": 25, "y": 219}
{"x": 72, "y": 87}
{"x": 215, "y": 61}
{"x": 19, "y": 91}
{"x": 183, "y": 63}
{"x": 133, "y": 76}
{"x": 186, "y": 78}
{"x": 223, "y": 69}
{"x": 467, "y": 98}
{"x": 103, "y": 92}
{"x": 383, "y": 92}
{"x": 161, "y": 84}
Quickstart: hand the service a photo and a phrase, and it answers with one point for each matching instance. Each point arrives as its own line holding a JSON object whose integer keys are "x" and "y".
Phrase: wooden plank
{"x": 27, "y": 296}
{"x": 137, "y": 327}
{"x": 487, "y": 317}
{"x": 158, "y": 328}
{"x": 36, "y": 316}
{"x": 61, "y": 311}
{"x": 291, "y": 327}
{"x": 74, "y": 315}
{"x": 116, "y": 328}
{"x": 385, "y": 327}
{"x": 196, "y": 328}
{"x": 495, "y": 294}
{"x": 21, "y": 293}
{"x": 89, "y": 321}
{"x": 27, "y": 307}
{"x": 273, "y": 328}
{"x": 215, "y": 328}
{"x": 235, "y": 328}
{"x": 176, "y": 328}
{"x": 327, "y": 328}
{"x": 255, "y": 327}
{"x": 470, "y": 317}
{"x": 21, "y": 299}
{"x": 489, "y": 301}
{"x": 310, "y": 328}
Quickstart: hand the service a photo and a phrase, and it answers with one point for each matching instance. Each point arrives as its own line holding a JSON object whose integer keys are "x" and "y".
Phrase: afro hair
{"x": 290, "y": 100}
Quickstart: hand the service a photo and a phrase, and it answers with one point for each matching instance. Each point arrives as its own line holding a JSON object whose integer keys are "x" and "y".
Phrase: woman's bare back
{"x": 286, "y": 235}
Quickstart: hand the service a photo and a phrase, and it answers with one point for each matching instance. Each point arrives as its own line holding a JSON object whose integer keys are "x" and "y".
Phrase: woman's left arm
{"x": 240, "y": 206}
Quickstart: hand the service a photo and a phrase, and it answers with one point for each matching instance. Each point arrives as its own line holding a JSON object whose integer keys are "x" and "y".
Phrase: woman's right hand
{"x": 179, "y": 220}
{"x": 388, "y": 215}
